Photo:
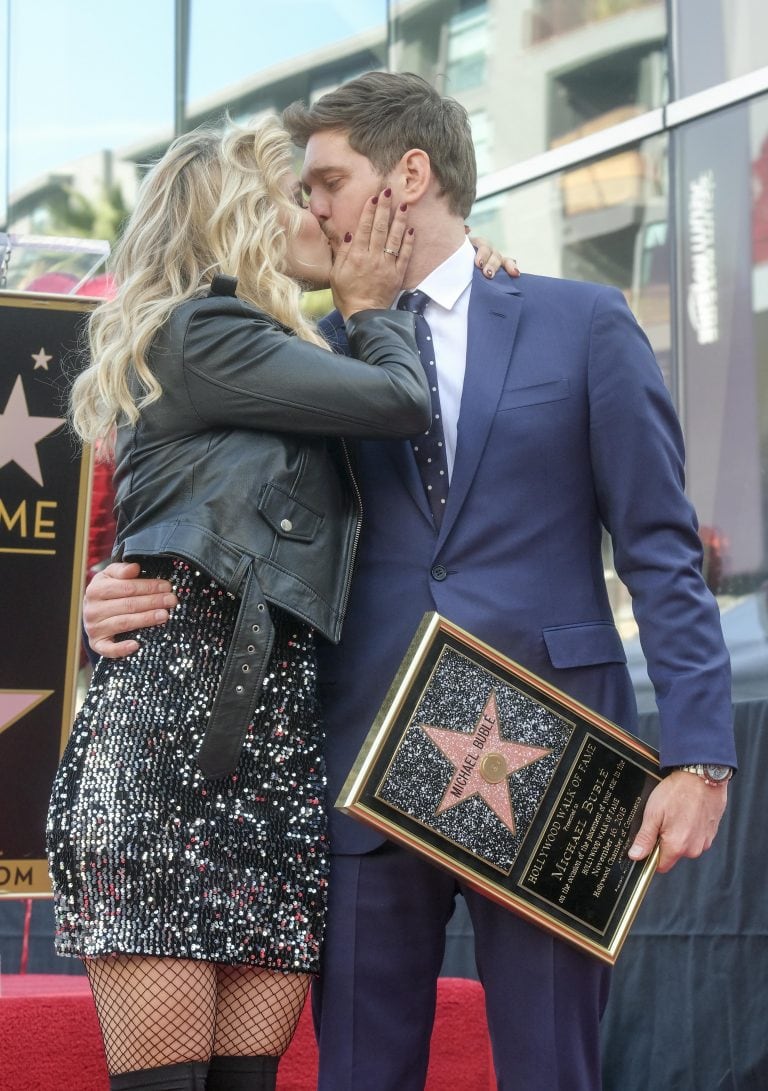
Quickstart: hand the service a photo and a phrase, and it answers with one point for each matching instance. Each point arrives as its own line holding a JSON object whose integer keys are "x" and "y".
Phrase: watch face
{"x": 718, "y": 772}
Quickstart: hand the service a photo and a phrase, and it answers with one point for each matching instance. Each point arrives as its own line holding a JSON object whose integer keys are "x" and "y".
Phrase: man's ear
{"x": 414, "y": 175}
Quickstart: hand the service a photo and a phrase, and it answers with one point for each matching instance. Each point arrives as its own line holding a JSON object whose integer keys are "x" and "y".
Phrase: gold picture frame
{"x": 521, "y": 791}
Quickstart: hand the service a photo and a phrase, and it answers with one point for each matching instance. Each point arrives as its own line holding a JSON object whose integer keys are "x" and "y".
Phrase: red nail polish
{"x": 410, "y": 230}
{"x": 374, "y": 200}
{"x": 403, "y": 208}
{"x": 348, "y": 237}
{"x": 387, "y": 192}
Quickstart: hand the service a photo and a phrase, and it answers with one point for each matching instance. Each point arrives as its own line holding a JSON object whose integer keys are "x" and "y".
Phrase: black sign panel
{"x": 44, "y": 489}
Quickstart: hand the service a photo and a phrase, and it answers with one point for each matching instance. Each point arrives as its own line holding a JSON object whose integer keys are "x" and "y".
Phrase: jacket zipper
{"x": 358, "y": 530}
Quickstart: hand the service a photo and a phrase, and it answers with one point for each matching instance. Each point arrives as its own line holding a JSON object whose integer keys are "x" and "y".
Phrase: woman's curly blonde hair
{"x": 215, "y": 203}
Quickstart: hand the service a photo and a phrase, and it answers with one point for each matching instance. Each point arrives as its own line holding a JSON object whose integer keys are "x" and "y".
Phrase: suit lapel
{"x": 494, "y": 311}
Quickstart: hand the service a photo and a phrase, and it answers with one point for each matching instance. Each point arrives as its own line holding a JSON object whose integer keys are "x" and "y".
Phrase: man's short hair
{"x": 383, "y": 115}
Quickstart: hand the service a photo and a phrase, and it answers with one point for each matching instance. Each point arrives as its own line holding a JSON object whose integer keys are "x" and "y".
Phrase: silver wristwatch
{"x": 714, "y": 775}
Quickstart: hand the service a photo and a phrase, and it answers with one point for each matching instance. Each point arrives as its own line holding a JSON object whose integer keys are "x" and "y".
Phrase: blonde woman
{"x": 186, "y": 830}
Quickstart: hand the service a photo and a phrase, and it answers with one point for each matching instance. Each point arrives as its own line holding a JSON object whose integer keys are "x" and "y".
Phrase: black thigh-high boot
{"x": 242, "y": 1073}
{"x": 189, "y": 1076}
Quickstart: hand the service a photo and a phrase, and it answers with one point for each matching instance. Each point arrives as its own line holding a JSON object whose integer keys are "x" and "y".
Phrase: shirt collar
{"x": 445, "y": 284}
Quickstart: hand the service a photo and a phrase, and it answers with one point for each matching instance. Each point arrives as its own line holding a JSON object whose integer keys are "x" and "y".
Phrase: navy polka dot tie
{"x": 429, "y": 449}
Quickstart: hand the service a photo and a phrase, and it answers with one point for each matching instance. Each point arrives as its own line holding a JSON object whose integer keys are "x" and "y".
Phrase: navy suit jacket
{"x": 565, "y": 426}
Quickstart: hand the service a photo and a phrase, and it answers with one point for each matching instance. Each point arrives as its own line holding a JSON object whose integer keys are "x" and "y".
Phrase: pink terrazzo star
{"x": 483, "y": 762}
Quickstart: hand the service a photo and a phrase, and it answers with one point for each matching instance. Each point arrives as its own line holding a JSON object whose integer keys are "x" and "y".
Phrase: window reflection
{"x": 237, "y": 47}
{"x": 723, "y": 310}
{"x": 606, "y": 90}
{"x": 468, "y": 43}
{"x": 304, "y": 49}
{"x": 69, "y": 122}
{"x": 605, "y": 221}
{"x": 532, "y": 74}
{"x": 544, "y": 73}
{"x": 549, "y": 18}
{"x": 5, "y": 54}
{"x": 718, "y": 40}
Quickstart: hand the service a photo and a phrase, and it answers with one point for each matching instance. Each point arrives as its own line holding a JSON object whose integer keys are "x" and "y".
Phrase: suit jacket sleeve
{"x": 638, "y": 467}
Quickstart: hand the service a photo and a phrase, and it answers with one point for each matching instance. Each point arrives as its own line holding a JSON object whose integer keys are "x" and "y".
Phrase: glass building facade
{"x": 623, "y": 141}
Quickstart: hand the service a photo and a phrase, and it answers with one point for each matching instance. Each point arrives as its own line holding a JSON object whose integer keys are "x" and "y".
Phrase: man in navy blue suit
{"x": 556, "y": 424}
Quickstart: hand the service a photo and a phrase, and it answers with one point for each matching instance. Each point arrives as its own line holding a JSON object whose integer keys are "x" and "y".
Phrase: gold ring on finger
{"x": 389, "y": 250}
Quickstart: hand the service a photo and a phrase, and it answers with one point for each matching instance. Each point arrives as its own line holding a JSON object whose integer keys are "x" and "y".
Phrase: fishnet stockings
{"x": 161, "y": 1011}
{"x": 256, "y": 1010}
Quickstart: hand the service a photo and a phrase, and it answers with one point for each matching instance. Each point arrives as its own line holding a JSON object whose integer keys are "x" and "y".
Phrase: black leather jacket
{"x": 234, "y": 469}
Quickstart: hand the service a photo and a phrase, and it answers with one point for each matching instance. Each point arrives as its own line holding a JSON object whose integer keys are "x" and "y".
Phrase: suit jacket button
{"x": 439, "y": 572}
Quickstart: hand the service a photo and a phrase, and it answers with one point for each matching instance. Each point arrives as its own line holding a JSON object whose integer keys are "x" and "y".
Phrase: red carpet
{"x": 49, "y": 1039}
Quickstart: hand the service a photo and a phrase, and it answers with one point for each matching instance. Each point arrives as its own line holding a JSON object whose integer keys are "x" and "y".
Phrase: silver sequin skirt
{"x": 147, "y": 856}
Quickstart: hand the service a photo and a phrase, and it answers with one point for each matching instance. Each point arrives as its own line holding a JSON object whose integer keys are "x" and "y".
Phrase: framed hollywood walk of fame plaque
{"x": 519, "y": 790}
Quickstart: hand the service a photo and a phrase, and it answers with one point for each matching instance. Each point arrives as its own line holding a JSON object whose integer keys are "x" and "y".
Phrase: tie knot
{"x": 413, "y": 301}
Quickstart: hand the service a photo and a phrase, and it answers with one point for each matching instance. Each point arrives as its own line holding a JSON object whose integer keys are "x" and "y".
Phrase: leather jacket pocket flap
{"x": 288, "y": 516}
{"x": 584, "y": 645}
